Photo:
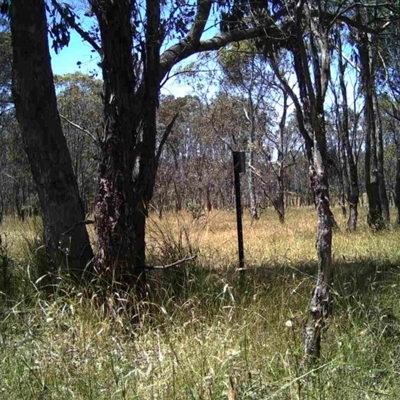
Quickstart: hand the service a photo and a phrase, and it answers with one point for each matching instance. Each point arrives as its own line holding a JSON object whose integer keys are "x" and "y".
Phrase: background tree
{"x": 80, "y": 108}
{"x": 348, "y": 163}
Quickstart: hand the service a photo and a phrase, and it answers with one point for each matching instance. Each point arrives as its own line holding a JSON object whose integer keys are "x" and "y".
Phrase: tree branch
{"x": 187, "y": 47}
{"x": 80, "y": 128}
{"x": 85, "y": 222}
{"x": 174, "y": 264}
{"x": 70, "y": 20}
{"x": 165, "y": 135}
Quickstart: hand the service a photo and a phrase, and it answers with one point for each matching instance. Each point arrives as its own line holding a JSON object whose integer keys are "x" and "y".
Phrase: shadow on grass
{"x": 354, "y": 282}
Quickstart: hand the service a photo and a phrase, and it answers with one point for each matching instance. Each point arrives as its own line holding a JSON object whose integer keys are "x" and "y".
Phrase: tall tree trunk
{"x": 280, "y": 173}
{"x": 320, "y": 305}
{"x": 374, "y": 218}
{"x": 313, "y": 92}
{"x": 45, "y": 144}
{"x": 127, "y": 172}
{"x": 380, "y": 163}
{"x": 115, "y": 203}
{"x": 353, "y": 191}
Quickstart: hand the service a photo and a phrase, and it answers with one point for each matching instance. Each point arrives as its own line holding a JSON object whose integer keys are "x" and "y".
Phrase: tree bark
{"x": 380, "y": 164}
{"x": 374, "y": 218}
{"x": 115, "y": 210}
{"x": 67, "y": 241}
{"x": 353, "y": 190}
{"x": 129, "y": 164}
{"x": 312, "y": 93}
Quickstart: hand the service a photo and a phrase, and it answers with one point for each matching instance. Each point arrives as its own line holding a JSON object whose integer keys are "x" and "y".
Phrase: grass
{"x": 200, "y": 328}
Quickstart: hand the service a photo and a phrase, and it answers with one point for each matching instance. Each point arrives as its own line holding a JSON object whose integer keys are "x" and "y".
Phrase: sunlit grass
{"x": 201, "y": 328}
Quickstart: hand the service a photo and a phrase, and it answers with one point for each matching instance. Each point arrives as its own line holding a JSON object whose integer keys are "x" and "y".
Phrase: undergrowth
{"x": 201, "y": 334}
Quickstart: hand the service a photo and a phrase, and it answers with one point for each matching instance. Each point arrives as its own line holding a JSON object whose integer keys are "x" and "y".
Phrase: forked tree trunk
{"x": 129, "y": 163}
{"x": 115, "y": 203}
{"x": 45, "y": 144}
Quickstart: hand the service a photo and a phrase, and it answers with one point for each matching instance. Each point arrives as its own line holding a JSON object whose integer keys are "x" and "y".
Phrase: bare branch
{"x": 174, "y": 264}
{"x": 165, "y": 135}
{"x": 85, "y": 222}
{"x": 80, "y": 128}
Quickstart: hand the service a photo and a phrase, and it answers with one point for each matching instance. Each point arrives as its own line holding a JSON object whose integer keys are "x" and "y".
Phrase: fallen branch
{"x": 174, "y": 264}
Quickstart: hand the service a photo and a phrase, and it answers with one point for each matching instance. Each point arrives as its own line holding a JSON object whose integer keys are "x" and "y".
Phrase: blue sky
{"x": 65, "y": 62}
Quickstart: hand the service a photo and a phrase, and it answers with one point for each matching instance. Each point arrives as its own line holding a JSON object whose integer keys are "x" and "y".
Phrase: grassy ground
{"x": 201, "y": 327}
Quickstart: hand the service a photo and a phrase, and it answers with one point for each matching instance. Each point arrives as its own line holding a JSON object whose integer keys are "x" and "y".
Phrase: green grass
{"x": 200, "y": 328}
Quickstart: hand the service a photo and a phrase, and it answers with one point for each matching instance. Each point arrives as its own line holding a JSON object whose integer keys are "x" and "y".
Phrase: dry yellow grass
{"x": 266, "y": 241}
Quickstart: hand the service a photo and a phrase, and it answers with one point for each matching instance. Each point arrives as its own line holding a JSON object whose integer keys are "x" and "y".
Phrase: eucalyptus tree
{"x": 309, "y": 43}
{"x": 310, "y": 51}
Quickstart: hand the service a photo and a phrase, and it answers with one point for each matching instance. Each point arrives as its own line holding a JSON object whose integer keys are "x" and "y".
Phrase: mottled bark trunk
{"x": 320, "y": 305}
{"x": 66, "y": 237}
{"x": 129, "y": 163}
{"x": 115, "y": 203}
{"x": 315, "y": 89}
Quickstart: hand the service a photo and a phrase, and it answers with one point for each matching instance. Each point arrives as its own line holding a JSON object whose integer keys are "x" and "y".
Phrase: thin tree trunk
{"x": 252, "y": 189}
{"x": 353, "y": 191}
{"x": 374, "y": 218}
{"x": 380, "y": 164}
{"x": 45, "y": 144}
{"x": 252, "y": 186}
{"x": 315, "y": 89}
{"x": 320, "y": 305}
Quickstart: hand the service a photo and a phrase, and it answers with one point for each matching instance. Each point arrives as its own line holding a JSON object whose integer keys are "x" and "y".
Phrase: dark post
{"x": 239, "y": 165}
